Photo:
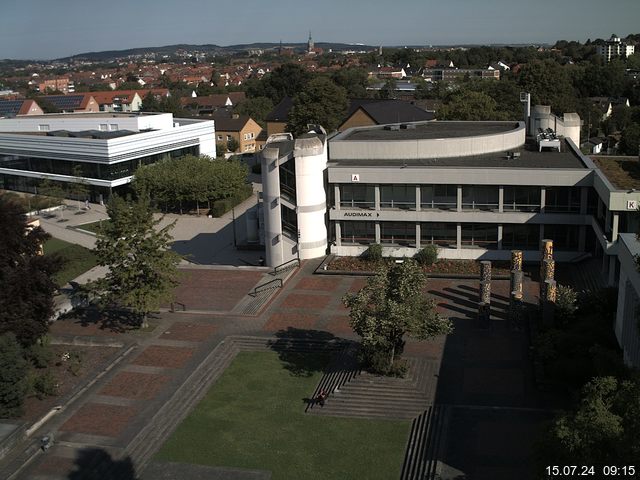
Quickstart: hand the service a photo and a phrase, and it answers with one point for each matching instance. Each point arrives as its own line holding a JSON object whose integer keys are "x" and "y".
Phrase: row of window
{"x": 99, "y": 171}
{"x": 478, "y": 235}
{"x": 474, "y": 197}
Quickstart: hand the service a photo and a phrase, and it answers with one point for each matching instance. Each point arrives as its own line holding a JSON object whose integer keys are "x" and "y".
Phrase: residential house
{"x": 242, "y": 128}
{"x": 118, "y": 100}
{"x": 62, "y": 84}
{"x": 76, "y": 103}
{"x": 15, "y": 108}
{"x": 279, "y": 116}
{"x": 207, "y": 105}
{"x": 364, "y": 112}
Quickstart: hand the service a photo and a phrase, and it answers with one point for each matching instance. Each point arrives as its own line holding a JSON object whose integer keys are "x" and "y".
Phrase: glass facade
{"x": 562, "y": 200}
{"x": 521, "y": 199}
{"x": 357, "y": 196}
{"x": 480, "y": 235}
{"x": 398, "y": 196}
{"x": 358, "y": 233}
{"x": 398, "y": 233}
{"x": 475, "y": 197}
{"x": 442, "y": 197}
{"x": 288, "y": 180}
{"x": 289, "y": 222}
{"x": 523, "y": 237}
{"x": 565, "y": 237}
{"x": 98, "y": 171}
{"x": 439, "y": 233}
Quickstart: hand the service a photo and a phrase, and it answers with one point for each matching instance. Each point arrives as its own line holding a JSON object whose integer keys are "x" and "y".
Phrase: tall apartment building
{"x": 615, "y": 48}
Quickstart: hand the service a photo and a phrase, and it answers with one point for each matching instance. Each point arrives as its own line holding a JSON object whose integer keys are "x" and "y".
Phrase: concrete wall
{"x": 428, "y": 148}
{"x": 79, "y": 122}
{"x": 626, "y": 327}
{"x": 311, "y": 161}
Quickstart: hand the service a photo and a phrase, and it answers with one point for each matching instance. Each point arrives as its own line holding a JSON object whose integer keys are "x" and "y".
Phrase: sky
{"x": 46, "y": 29}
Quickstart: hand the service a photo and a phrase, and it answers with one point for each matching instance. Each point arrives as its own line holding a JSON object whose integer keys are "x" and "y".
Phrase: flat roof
{"x": 622, "y": 172}
{"x": 430, "y": 130}
{"x": 529, "y": 157}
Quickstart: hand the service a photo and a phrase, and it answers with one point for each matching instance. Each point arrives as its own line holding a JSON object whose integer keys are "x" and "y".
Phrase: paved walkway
{"x": 483, "y": 371}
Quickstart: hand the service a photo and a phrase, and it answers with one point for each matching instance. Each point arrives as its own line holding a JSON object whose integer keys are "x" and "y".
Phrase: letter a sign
{"x": 355, "y": 177}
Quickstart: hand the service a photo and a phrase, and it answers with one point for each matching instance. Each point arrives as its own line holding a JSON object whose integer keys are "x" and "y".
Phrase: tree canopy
{"x": 26, "y": 296}
{"x": 288, "y": 79}
{"x": 190, "y": 180}
{"x": 321, "y": 102}
{"x": 391, "y": 305}
{"x": 13, "y": 373}
{"x": 604, "y": 429}
{"x": 142, "y": 269}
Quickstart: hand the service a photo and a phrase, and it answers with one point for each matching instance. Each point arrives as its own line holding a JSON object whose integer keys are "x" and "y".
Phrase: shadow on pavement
{"x": 293, "y": 346}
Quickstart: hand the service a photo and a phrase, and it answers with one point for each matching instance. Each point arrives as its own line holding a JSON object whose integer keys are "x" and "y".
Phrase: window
{"x": 565, "y": 237}
{"x": 480, "y": 235}
{"x": 229, "y": 137}
{"x": 103, "y": 127}
{"x": 289, "y": 222}
{"x": 113, "y": 127}
{"x": 521, "y": 199}
{"x": 442, "y": 197}
{"x": 562, "y": 200}
{"x": 357, "y": 196}
{"x": 43, "y": 128}
{"x": 398, "y": 233}
{"x": 358, "y": 233}
{"x": 524, "y": 237}
{"x": 220, "y": 137}
{"x": 439, "y": 233}
{"x": 288, "y": 180}
{"x": 398, "y": 196}
{"x": 476, "y": 197}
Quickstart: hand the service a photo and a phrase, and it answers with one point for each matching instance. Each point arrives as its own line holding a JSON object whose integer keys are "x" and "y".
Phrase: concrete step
{"x": 425, "y": 444}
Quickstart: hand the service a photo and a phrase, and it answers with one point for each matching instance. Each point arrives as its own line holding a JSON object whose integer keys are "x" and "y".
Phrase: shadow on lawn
{"x": 295, "y": 345}
{"x": 97, "y": 464}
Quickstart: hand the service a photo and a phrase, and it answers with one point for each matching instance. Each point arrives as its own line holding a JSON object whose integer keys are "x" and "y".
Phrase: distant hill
{"x": 207, "y": 48}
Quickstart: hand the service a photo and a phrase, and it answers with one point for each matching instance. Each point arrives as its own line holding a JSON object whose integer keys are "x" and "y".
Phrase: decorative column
{"x": 484, "y": 305}
{"x": 516, "y": 295}
{"x": 547, "y": 266}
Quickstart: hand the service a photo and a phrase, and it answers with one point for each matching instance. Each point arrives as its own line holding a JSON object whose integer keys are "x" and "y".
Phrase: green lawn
{"x": 92, "y": 227}
{"x": 77, "y": 259}
{"x": 253, "y": 418}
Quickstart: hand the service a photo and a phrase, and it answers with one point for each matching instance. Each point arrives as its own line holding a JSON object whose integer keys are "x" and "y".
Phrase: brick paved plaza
{"x": 484, "y": 371}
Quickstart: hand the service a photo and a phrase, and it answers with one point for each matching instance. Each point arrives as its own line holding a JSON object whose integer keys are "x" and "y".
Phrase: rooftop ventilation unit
{"x": 408, "y": 126}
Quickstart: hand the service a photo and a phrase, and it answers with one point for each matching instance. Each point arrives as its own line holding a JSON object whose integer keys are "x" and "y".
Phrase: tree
{"x": 26, "y": 296}
{"x": 469, "y": 105}
{"x": 549, "y": 84}
{"x": 286, "y": 80}
{"x": 13, "y": 374}
{"x": 630, "y": 141}
{"x": 150, "y": 103}
{"x": 142, "y": 269}
{"x": 389, "y": 89}
{"x": 232, "y": 145}
{"x": 390, "y": 306}
{"x": 604, "y": 429}
{"x": 321, "y": 102}
{"x": 257, "y": 108}
{"x": 353, "y": 80}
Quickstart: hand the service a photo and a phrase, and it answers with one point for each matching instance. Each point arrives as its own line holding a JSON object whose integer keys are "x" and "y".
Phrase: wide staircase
{"x": 425, "y": 445}
{"x": 366, "y": 395}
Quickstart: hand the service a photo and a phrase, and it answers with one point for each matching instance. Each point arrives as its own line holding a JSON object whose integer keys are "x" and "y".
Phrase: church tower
{"x": 310, "y": 45}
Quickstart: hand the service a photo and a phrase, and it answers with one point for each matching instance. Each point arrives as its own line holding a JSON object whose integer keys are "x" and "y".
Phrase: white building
{"x": 627, "y": 330}
{"x": 106, "y": 147}
{"x": 615, "y": 48}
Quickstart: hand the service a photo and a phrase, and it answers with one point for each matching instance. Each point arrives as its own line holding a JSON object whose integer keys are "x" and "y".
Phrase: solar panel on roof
{"x": 10, "y": 107}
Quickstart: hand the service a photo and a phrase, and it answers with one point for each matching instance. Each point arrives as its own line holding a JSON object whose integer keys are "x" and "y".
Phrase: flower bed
{"x": 441, "y": 267}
